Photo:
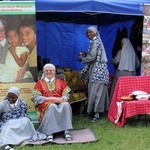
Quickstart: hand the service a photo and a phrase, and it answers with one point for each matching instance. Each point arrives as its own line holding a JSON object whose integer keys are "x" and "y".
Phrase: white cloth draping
{"x": 16, "y": 131}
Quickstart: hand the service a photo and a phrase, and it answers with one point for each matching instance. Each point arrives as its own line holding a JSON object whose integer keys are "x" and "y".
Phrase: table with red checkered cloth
{"x": 125, "y": 86}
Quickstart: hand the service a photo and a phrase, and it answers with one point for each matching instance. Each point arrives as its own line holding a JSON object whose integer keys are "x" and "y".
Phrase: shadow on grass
{"x": 139, "y": 120}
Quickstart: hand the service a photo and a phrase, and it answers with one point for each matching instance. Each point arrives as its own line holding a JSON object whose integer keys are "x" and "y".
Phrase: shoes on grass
{"x": 7, "y": 147}
{"x": 68, "y": 137}
{"x": 50, "y": 138}
{"x": 94, "y": 120}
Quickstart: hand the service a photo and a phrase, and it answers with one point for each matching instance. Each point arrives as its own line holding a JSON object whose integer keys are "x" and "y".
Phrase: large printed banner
{"x": 146, "y": 42}
{"x": 18, "y": 53}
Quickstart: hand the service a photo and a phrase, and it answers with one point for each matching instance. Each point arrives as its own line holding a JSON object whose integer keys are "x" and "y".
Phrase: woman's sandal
{"x": 68, "y": 137}
{"x": 94, "y": 120}
{"x": 7, "y": 147}
{"x": 50, "y": 138}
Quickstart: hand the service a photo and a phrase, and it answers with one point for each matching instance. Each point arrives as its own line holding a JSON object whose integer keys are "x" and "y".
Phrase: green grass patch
{"x": 135, "y": 135}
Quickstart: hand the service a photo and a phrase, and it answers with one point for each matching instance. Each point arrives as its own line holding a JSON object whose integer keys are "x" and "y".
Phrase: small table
{"x": 125, "y": 86}
{"x": 131, "y": 108}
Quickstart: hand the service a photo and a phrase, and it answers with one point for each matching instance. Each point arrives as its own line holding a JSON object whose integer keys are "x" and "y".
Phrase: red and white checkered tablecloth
{"x": 125, "y": 86}
{"x": 133, "y": 108}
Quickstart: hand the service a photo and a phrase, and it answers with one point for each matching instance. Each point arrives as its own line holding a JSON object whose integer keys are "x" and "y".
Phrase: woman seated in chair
{"x": 51, "y": 95}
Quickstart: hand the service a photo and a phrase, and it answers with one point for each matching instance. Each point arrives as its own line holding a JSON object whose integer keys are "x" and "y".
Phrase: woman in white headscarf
{"x": 96, "y": 74}
{"x": 15, "y": 125}
{"x": 51, "y": 96}
{"x": 127, "y": 62}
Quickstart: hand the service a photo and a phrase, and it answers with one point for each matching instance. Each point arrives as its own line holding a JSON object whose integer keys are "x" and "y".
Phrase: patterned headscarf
{"x": 14, "y": 90}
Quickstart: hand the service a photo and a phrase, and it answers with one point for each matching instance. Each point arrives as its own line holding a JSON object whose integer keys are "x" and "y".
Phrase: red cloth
{"x": 42, "y": 87}
{"x": 125, "y": 86}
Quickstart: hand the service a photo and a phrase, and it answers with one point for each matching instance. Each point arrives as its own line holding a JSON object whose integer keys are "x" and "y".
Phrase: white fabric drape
{"x": 128, "y": 56}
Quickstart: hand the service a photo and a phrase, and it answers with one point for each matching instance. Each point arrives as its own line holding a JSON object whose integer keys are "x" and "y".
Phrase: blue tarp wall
{"x": 61, "y": 42}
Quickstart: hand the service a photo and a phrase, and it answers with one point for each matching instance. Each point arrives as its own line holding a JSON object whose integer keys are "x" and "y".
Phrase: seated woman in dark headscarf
{"x": 15, "y": 125}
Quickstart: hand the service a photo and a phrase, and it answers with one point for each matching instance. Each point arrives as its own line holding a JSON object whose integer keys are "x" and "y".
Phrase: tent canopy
{"x": 65, "y": 22}
{"x": 125, "y": 7}
{"x": 87, "y": 11}
{"x": 61, "y": 26}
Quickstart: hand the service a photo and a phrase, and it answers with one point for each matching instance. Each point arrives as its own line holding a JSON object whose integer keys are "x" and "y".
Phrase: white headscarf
{"x": 14, "y": 90}
{"x": 47, "y": 65}
{"x": 94, "y": 29}
{"x": 128, "y": 56}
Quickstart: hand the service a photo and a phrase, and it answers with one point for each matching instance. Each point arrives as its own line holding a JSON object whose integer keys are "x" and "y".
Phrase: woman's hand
{"x": 56, "y": 100}
{"x": 20, "y": 74}
{"x": 82, "y": 53}
{"x": 80, "y": 58}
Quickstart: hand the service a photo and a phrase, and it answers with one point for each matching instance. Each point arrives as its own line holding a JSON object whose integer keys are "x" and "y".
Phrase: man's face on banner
{"x": 2, "y": 33}
{"x": 28, "y": 36}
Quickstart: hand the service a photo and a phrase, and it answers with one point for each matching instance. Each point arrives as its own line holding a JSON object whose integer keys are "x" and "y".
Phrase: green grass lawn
{"x": 133, "y": 136}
